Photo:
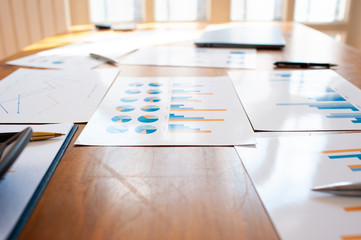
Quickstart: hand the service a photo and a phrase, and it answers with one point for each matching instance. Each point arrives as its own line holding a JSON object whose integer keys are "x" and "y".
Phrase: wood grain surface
{"x": 168, "y": 192}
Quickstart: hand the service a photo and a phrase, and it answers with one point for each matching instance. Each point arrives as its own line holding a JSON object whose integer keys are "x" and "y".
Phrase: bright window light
{"x": 114, "y": 10}
{"x": 256, "y": 10}
{"x": 179, "y": 10}
{"x": 320, "y": 11}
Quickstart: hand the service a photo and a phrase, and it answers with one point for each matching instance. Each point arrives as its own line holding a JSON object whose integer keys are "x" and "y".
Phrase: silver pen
{"x": 341, "y": 188}
{"x": 103, "y": 58}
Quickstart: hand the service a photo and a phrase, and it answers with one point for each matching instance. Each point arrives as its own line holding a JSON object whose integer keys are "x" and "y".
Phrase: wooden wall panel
{"x": 79, "y": 12}
{"x": 47, "y": 17}
{"x": 7, "y": 28}
{"x": 62, "y": 16}
{"x": 22, "y": 28}
{"x": 33, "y": 18}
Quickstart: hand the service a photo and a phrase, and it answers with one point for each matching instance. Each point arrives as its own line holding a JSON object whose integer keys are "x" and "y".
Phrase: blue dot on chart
{"x": 125, "y": 108}
{"x": 121, "y": 118}
{"x": 58, "y": 62}
{"x": 151, "y": 99}
{"x": 150, "y": 108}
{"x": 132, "y": 91}
{"x": 148, "y": 118}
{"x": 118, "y": 129}
{"x": 155, "y": 84}
{"x": 146, "y": 129}
{"x": 136, "y": 84}
{"x": 129, "y": 99}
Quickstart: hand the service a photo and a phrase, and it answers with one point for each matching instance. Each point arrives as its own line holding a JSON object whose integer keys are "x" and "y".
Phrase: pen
{"x": 341, "y": 188}
{"x": 303, "y": 65}
{"x": 36, "y": 136}
{"x": 103, "y": 58}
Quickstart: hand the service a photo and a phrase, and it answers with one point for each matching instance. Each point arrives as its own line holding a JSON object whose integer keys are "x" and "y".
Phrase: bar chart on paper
{"x": 299, "y": 100}
{"x": 296, "y": 165}
{"x": 169, "y": 111}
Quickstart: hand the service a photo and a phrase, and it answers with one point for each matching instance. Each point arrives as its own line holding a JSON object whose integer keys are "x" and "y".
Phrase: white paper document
{"x": 74, "y": 56}
{"x": 285, "y": 169}
{"x": 169, "y": 111}
{"x": 298, "y": 100}
{"x": 193, "y": 57}
{"x": 53, "y": 96}
{"x": 18, "y": 185}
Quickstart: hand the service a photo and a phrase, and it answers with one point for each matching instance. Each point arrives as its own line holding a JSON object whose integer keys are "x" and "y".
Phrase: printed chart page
{"x": 298, "y": 100}
{"x": 169, "y": 111}
{"x": 193, "y": 57}
{"x": 285, "y": 169}
{"x": 53, "y": 96}
{"x": 18, "y": 185}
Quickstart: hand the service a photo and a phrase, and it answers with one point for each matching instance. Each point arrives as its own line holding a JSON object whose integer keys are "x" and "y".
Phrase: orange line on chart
{"x": 352, "y": 209}
{"x": 343, "y": 150}
{"x": 56, "y": 103}
{"x": 351, "y": 237}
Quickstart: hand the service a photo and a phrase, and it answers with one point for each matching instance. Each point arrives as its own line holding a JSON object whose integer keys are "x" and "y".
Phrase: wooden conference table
{"x": 166, "y": 192}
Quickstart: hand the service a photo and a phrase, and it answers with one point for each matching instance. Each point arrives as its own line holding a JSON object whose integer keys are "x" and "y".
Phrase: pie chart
{"x": 136, "y": 84}
{"x": 125, "y": 108}
{"x": 151, "y": 99}
{"x": 155, "y": 84}
{"x": 132, "y": 91}
{"x": 150, "y": 108}
{"x": 145, "y": 129}
{"x": 118, "y": 129}
{"x": 129, "y": 99}
{"x": 121, "y": 119}
{"x": 154, "y": 91}
{"x": 148, "y": 118}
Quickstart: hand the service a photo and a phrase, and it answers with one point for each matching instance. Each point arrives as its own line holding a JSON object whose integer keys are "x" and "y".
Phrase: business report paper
{"x": 184, "y": 56}
{"x": 53, "y": 96}
{"x": 298, "y": 100}
{"x": 153, "y": 111}
{"x": 285, "y": 169}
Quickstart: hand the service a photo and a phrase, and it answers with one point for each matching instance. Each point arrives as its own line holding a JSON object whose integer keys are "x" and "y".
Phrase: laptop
{"x": 261, "y": 37}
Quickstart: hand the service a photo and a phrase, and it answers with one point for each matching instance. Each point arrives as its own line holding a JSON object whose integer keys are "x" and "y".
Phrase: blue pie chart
{"x": 154, "y": 91}
{"x": 145, "y": 129}
{"x": 118, "y": 129}
{"x": 132, "y": 91}
{"x": 155, "y": 84}
{"x": 121, "y": 119}
{"x": 129, "y": 99}
{"x": 150, "y": 108}
{"x": 136, "y": 84}
{"x": 125, "y": 108}
{"x": 148, "y": 118}
{"x": 151, "y": 99}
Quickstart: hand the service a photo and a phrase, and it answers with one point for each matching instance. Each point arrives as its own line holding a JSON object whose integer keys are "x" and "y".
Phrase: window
{"x": 176, "y": 10}
{"x": 256, "y": 10}
{"x": 320, "y": 11}
{"x": 114, "y": 10}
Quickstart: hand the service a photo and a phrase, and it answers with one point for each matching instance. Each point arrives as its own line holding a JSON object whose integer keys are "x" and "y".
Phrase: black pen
{"x": 303, "y": 65}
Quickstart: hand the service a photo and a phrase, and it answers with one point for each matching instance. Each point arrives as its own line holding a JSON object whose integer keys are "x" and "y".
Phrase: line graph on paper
{"x": 38, "y": 96}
